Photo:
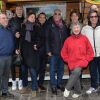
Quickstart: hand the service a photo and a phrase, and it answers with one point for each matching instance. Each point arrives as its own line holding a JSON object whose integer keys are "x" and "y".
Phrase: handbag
{"x": 17, "y": 59}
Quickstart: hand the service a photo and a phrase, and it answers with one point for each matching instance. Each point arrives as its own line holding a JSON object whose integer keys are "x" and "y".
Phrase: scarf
{"x": 59, "y": 23}
{"x": 29, "y": 28}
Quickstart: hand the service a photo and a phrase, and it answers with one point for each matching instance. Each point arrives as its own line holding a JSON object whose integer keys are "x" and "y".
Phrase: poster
{"x": 46, "y": 8}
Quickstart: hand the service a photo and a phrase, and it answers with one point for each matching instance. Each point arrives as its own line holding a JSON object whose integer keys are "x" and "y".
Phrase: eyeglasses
{"x": 93, "y": 16}
{"x": 59, "y": 14}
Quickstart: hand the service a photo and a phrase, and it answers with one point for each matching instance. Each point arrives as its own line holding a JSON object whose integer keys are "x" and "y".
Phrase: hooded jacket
{"x": 77, "y": 51}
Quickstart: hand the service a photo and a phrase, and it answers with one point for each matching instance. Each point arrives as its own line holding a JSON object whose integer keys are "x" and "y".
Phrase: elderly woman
{"x": 77, "y": 52}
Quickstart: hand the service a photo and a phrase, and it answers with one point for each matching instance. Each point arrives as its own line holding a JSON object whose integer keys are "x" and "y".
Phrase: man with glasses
{"x": 92, "y": 31}
{"x": 56, "y": 33}
{"x": 6, "y": 50}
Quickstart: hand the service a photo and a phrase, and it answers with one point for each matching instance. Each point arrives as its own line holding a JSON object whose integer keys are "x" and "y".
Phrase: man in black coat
{"x": 41, "y": 27}
{"x": 56, "y": 33}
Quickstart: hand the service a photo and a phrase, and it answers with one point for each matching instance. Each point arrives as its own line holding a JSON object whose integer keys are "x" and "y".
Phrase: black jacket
{"x": 15, "y": 25}
{"x": 40, "y": 30}
{"x": 55, "y": 37}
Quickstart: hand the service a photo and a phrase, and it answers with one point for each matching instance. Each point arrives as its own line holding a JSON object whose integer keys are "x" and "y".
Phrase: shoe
{"x": 8, "y": 94}
{"x": 25, "y": 90}
{"x": 20, "y": 85}
{"x": 91, "y": 90}
{"x": 14, "y": 87}
{"x": 33, "y": 93}
{"x": 66, "y": 93}
{"x": 41, "y": 88}
{"x": 75, "y": 95}
{"x": 54, "y": 90}
{"x": 61, "y": 88}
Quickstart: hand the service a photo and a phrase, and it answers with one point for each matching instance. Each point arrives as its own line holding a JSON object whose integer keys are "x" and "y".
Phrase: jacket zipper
{"x": 94, "y": 41}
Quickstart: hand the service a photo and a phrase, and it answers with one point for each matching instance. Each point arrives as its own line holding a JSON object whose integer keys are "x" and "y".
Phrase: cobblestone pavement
{"x": 49, "y": 96}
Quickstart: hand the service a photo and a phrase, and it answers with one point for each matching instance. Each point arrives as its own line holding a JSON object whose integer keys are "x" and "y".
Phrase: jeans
{"x": 33, "y": 77}
{"x": 5, "y": 64}
{"x": 94, "y": 68}
{"x": 74, "y": 80}
{"x": 56, "y": 66}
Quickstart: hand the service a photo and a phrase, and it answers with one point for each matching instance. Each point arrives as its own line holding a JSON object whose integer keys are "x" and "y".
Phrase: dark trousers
{"x": 41, "y": 70}
{"x": 94, "y": 68}
{"x": 5, "y": 64}
{"x": 13, "y": 72}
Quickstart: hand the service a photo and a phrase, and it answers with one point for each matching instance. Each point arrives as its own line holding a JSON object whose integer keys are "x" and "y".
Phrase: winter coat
{"x": 77, "y": 51}
{"x": 30, "y": 56}
{"x": 93, "y": 34}
{"x": 41, "y": 42}
{"x": 55, "y": 37}
{"x": 15, "y": 25}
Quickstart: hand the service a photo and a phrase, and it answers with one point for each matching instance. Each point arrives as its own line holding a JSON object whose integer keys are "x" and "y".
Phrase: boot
{"x": 20, "y": 85}
{"x": 14, "y": 85}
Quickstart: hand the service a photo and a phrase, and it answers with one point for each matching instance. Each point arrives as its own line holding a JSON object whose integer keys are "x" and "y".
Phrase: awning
{"x": 94, "y": 1}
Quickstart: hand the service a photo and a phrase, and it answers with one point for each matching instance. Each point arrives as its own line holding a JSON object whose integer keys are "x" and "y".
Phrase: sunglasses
{"x": 93, "y": 16}
{"x": 59, "y": 14}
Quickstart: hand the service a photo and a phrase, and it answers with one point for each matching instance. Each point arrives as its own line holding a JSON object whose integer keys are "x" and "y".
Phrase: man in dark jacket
{"x": 41, "y": 27}
{"x": 56, "y": 33}
{"x": 6, "y": 50}
{"x": 15, "y": 25}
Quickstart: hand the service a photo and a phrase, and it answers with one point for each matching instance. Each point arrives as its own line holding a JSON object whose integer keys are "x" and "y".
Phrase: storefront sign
{"x": 94, "y": 1}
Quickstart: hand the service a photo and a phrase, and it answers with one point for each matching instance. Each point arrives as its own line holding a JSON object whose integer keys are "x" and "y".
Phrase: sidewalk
{"x": 49, "y": 96}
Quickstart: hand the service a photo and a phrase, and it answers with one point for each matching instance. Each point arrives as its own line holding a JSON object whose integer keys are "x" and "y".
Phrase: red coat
{"x": 77, "y": 51}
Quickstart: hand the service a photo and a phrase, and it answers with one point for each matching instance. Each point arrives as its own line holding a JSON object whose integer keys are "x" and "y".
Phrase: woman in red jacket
{"x": 77, "y": 52}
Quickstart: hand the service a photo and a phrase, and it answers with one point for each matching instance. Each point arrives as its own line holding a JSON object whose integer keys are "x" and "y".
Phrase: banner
{"x": 94, "y": 1}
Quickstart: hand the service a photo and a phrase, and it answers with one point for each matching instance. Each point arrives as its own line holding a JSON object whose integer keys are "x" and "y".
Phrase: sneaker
{"x": 8, "y": 94}
{"x": 41, "y": 88}
{"x": 14, "y": 87}
{"x": 66, "y": 93}
{"x": 75, "y": 95}
{"x": 91, "y": 90}
{"x": 20, "y": 85}
{"x": 33, "y": 93}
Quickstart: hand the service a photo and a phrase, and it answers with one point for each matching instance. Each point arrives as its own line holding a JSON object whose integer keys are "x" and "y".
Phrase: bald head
{"x": 94, "y": 7}
{"x": 3, "y": 20}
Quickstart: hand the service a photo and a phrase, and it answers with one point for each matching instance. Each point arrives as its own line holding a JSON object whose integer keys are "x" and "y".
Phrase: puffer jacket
{"x": 77, "y": 51}
{"x": 93, "y": 34}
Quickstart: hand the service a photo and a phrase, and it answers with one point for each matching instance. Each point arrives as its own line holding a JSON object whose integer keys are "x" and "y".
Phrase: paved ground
{"x": 49, "y": 96}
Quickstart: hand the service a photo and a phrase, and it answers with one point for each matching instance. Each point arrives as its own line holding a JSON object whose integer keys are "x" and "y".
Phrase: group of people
{"x": 38, "y": 38}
